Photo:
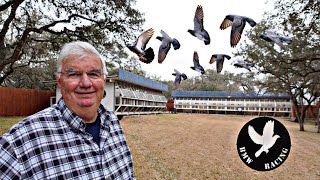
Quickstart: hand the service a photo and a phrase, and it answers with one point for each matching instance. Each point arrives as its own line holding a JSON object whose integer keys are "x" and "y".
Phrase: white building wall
{"x": 109, "y": 100}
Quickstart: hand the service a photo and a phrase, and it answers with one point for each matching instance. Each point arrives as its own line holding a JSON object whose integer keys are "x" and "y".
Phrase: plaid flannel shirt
{"x": 53, "y": 144}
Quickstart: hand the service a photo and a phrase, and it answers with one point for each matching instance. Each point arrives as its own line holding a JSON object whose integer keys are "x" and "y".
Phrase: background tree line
{"x": 32, "y": 32}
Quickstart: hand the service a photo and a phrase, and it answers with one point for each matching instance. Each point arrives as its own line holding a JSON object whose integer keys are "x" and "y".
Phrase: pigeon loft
{"x": 236, "y": 103}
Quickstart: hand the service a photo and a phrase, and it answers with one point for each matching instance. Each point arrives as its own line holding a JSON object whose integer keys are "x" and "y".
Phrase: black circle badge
{"x": 263, "y": 144}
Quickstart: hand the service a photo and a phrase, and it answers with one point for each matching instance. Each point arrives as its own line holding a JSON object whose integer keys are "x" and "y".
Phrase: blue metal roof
{"x": 139, "y": 80}
{"x": 225, "y": 94}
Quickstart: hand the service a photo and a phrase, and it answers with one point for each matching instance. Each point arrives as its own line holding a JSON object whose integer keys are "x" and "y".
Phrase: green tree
{"x": 33, "y": 31}
{"x": 296, "y": 69}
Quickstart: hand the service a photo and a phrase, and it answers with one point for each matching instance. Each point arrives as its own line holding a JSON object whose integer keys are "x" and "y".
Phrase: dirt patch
{"x": 196, "y": 146}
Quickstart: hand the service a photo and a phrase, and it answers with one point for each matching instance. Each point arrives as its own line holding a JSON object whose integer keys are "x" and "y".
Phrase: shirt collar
{"x": 76, "y": 122}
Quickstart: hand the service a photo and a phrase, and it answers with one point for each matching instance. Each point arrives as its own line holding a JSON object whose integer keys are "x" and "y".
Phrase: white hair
{"x": 79, "y": 48}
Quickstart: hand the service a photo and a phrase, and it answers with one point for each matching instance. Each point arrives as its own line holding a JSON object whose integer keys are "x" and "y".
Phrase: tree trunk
{"x": 318, "y": 118}
{"x": 301, "y": 124}
{"x": 301, "y": 113}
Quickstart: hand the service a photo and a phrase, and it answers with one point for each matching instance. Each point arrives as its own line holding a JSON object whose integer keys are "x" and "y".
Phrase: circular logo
{"x": 263, "y": 144}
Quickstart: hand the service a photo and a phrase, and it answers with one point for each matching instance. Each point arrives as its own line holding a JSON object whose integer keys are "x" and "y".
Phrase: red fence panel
{"x": 311, "y": 113}
{"x": 23, "y": 102}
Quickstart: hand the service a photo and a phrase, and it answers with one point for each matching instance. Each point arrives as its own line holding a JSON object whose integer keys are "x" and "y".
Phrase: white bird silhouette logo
{"x": 267, "y": 139}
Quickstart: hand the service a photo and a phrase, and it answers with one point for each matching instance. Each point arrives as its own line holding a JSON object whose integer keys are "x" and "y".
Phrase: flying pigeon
{"x": 274, "y": 38}
{"x": 220, "y": 59}
{"x": 196, "y": 65}
{"x": 138, "y": 47}
{"x": 238, "y": 23}
{"x": 267, "y": 139}
{"x": 198, "y": 29}
{"x": 165, "y": 46}
{"x": 243, "y": 64}
{"x": 178, "y": 75}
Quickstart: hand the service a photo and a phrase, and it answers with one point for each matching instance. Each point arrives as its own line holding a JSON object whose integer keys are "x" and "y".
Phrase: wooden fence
{"x": 311, "y": 113}
{"x": 23, "y": 102}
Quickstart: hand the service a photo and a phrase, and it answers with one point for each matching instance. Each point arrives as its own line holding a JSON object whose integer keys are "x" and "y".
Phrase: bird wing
{"x": 255, "y": 137}
{"x": 213, "y": 59}
{"x": 198, "y": 18}
{"x": 165, "y": 35}
{"x": 177, "y": 80}
{"x": 277, "y": 38}
{"x": 271, "y": 32}
{"x": 144, "y": 38}
{"x": 163, "y": 50}
{"x": 268, "y": 129}
{"x": 196, "y": 59}
{"x": 227, "y": 22}
{"x": 278, "y": 42}
{"x": 243, "y": 64}
{"x": 219, "y": 64}
{"x": 176, "y": 71}
{"x": 201, "y": 69}
{"x": 236, "y": 31}
{"x": 251, "y": 64}
{"x": 174, "y": 41}
{"x": 266, "y": 38}
{"x": 238, "y": 64}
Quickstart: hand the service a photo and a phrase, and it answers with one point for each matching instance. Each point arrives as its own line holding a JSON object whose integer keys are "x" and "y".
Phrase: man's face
{"x": 82, "y": 82}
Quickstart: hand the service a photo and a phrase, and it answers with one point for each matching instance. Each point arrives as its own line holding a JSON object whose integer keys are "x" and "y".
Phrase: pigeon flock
{"x": 237, "y": 24}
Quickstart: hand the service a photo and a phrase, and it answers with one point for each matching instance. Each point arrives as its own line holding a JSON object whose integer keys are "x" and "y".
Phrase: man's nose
{"x": 85, "y": 80}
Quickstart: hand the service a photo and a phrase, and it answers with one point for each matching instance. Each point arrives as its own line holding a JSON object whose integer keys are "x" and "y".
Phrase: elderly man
{"x": 77, "y": 138}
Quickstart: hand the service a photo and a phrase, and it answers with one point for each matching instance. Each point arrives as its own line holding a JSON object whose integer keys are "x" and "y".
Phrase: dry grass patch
{"x": 195, "y": 146}
{"x": 7, "y": 122}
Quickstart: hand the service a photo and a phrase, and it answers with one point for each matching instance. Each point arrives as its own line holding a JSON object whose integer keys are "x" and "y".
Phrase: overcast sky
{"x": 175, "y": 17}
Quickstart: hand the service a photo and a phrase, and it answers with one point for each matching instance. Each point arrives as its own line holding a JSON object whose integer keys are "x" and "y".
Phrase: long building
{"x": 128, "y": 93}
{"x": 222, "y": 102}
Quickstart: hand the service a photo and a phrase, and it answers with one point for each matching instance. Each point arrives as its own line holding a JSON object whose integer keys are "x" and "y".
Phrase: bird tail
{"x": 175, "y": 44}
{"x": 251, "y": 22}
{"x": 149, "y": 55}
{"x": 238, "y": 65}
{"x": 286, "y": 40}
{"x": 257, "y": 154}
{"x": 184, "y": 76}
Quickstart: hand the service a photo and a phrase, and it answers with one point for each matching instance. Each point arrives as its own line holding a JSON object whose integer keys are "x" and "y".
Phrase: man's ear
{"x": 58, "y": 79}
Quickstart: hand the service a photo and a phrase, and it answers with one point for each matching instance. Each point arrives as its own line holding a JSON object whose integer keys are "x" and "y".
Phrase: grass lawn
{"x": 194, "y": 146}
{"x": 198, "y": 146}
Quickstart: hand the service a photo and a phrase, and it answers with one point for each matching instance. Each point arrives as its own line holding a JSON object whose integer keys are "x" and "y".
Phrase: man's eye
{"x": 74, "y": 74}
{"x": 94, "y": 74}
